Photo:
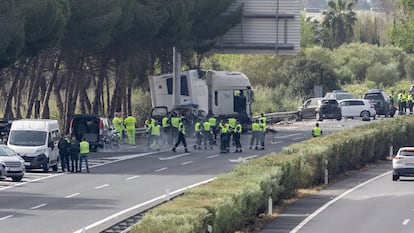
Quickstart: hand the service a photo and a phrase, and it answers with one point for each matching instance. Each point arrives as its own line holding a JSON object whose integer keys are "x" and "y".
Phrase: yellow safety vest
{"x": 84, "y": 147}
{"x": 165, "y": 122}
{"x": 238, "y": 128}
{"x": 212, "y": 121}
{"x": 206, "y": 126}
{"x": 156, "y": 130}
{"x": 316, "y": 132}
{"x": 181, "y": 128}
{"x": 224, "y": 128}
{"x": 197, "y": 127}
{"x": 130, "y": 122}
{"x": 256, "y": 126}
{"x": 175, "y": 121}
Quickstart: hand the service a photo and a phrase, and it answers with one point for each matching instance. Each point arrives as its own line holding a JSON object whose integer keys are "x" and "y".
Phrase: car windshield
{"x": 342, "y": 96}
{"x": 27, "y": 138}
{"x": 5, "y": 152}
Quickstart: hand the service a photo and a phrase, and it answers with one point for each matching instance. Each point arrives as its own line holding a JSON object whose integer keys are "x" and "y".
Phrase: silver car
{"x": 11, "y": 164}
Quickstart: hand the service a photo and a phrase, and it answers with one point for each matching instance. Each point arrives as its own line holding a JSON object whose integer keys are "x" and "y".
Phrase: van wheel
{"x": 318, "y": 117}
{"x": 395, "y": 177}
{"x": 55, "y": 168}
{"x": 46, "y": 168}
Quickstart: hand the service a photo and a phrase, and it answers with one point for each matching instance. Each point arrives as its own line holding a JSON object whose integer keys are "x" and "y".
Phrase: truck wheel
{"x": 55, "y": 167}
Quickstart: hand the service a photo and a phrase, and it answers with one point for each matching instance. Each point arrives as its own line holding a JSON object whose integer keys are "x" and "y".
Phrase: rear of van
{"x": 36, "y": 142}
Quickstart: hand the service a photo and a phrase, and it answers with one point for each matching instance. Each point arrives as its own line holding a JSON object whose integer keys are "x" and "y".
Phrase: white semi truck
{"x": 219, "y": 93}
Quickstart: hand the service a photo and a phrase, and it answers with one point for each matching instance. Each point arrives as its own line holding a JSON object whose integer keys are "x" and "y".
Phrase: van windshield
{"x": 27, "y": 138}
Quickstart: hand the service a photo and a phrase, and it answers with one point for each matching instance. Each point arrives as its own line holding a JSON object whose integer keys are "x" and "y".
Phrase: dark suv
{"x": 319, "y": 109}
{"x": 98, "y": 131}
{"x": 381, "y": 102}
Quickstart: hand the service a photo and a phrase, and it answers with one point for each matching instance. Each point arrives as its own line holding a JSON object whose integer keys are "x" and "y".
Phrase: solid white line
{"x": 72, "y": 195}
{"x": 174, "y": 157}
{"x": 322, "y": 208}
{"x": 38, "y": 206}
{"x": 136, "y": 207}
{"x": 6, "y": 217}
{"x": 406, "y": 221}
{"x": 297, "y": 138}
{"x": 187, "y": 162}
{"x": 102, "y": 186}
{"x": 213, "y": 156}
{"x": 132, "y": 177}
{"x": 161, "y": 169}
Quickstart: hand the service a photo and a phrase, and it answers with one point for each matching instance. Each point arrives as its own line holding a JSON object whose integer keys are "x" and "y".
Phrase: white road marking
{"x": 405, "y": 221}
{"x": 212, "y": 156}
{"x": 297, "y": 138}
{"x": 173, "y": 157}
{"x": 38, "y": 206}
{"x": 72, "y": 195}
{"x": 102, "y": 186}
{"x": 187, "y": 162}
{"x": 275, "y": 142}
{"x": 138, "y": 206}
{"x": 241, "y": 159}
{"x": 289, "y": 135}
{"x": 161, "y": 169}
{"x": 322, "y": 208}
{"x": 132, "y": 177}
{"x": 6, "y": 217}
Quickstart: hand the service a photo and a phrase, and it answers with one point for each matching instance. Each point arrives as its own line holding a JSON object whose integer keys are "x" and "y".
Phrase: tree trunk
{"x": 45, "y": 109}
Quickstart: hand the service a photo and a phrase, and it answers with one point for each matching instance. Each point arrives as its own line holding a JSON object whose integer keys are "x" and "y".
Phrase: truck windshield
{"x": 27, "y": 138}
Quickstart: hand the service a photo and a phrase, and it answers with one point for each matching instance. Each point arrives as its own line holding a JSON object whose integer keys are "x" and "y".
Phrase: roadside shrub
{"x": 383, "y": 75}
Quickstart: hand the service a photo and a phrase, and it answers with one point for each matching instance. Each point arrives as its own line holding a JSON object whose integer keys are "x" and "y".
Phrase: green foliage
{"x": 383, "y": 75}
{"x": 409, "y": 67}
{"x": 278, "y": 99}
{"x": 402, "y": 32}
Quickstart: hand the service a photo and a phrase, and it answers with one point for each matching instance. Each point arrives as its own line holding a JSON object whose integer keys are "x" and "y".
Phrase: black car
{"x": 98, "y": 131}
{"x": 319, "y": 109}
{"x": 381, "y": 102}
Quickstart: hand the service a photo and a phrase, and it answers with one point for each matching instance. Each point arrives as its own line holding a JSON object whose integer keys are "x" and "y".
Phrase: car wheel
{"x": 339, "y": 117}
{"x": 365, "y": 114}
{"x": 17, "y": 178}
{"x": 395, "y": 177}
{"x": 300, "y": 117}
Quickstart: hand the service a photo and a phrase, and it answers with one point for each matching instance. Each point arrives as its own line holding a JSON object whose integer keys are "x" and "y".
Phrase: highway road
{"x": 126, "y": 177}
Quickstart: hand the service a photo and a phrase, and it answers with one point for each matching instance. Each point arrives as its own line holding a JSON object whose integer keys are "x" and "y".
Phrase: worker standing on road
{"x": 181, "y": 135}
{"x": 224, "y": 130}
{"x": 316, "y": 131}
{"x": 156, "y": 135}
{"x": 213, "y": 124}
{"x": 207, "y": 134}
{"x": 263, "y": 129}
{"x": 118, "y": 125}
{"x": 63, "y": 146}
{"x": 410, "y": 102}
{"x": 232, "y": 125}
{"x": 74, "y": 149}
{"x": 175, "y": 121}
{"x": 149, "y": 122}
{"x": 166, "y": 130}
{"x": 130, "y": 124}
{"x": 255, "y": 134}
{"x": 237, "y": 134}
{"x": 198, "y": 131}
{"x": 84, "y": 154}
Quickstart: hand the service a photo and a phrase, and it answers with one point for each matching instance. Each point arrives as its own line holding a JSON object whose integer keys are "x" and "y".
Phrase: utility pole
{"x": 176, "y": 77}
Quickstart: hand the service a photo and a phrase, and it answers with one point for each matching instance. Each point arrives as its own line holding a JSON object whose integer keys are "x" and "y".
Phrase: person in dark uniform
{"x": 74, "y": 149}
{"x": 63, "y": 146}
{"x": 181, "y": 135}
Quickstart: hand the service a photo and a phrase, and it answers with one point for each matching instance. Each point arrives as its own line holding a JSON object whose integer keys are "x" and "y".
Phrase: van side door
{"x": 53, "y": 140}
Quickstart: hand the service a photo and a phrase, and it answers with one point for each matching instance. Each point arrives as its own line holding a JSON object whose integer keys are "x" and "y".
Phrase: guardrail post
{"x": 167, "y": 194}
{"x": 326, "y": 172}
{"x": 270, "y": 205}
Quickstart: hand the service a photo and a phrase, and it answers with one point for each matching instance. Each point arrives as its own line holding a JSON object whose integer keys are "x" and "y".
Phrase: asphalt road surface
{"x": 126, "y": 177}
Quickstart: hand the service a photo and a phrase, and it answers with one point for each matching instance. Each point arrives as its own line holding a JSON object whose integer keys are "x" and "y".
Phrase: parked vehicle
{"x": 36, "y": 142}
{"x": 381, "y": 101}
{"x": 319, "y": 109}
{"x": 5, "y": 125}
{"x": 403, "y": 163}
{"x": 357, "y": 108}
{"x": 220, "y": 93}
{"x": 98, "y": 131}
{"x": 11, "y": 164}
{"x": 339, "y": 95}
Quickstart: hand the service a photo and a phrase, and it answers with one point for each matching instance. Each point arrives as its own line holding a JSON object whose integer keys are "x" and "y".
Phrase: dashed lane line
{"x": 38, "y": 206}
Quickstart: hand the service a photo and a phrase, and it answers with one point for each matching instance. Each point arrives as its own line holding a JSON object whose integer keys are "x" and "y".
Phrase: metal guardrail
{"x": 279, "y": 116}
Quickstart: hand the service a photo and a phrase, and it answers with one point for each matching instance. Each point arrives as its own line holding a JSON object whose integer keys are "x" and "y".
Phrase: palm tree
{"x": 338, "y": 22}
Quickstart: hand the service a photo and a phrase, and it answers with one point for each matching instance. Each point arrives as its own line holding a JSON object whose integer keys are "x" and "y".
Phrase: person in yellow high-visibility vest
{"x": 316, "y": 131}
{"x": 156, "y": 135}
{"x": 84, "y": 153}
{"x": 130, "y": 123}
{"x": 118, "y": 125}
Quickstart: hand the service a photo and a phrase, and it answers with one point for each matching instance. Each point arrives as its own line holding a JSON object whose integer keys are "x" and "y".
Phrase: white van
{"x": 36, "y": 142}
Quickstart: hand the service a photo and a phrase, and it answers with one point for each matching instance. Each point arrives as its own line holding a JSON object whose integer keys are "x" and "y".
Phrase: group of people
{"x": 173, "y": 131}
{"x": 73, "y": 153}
{"x": 125, "y": 127}
{"x": 404, "y": 102}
